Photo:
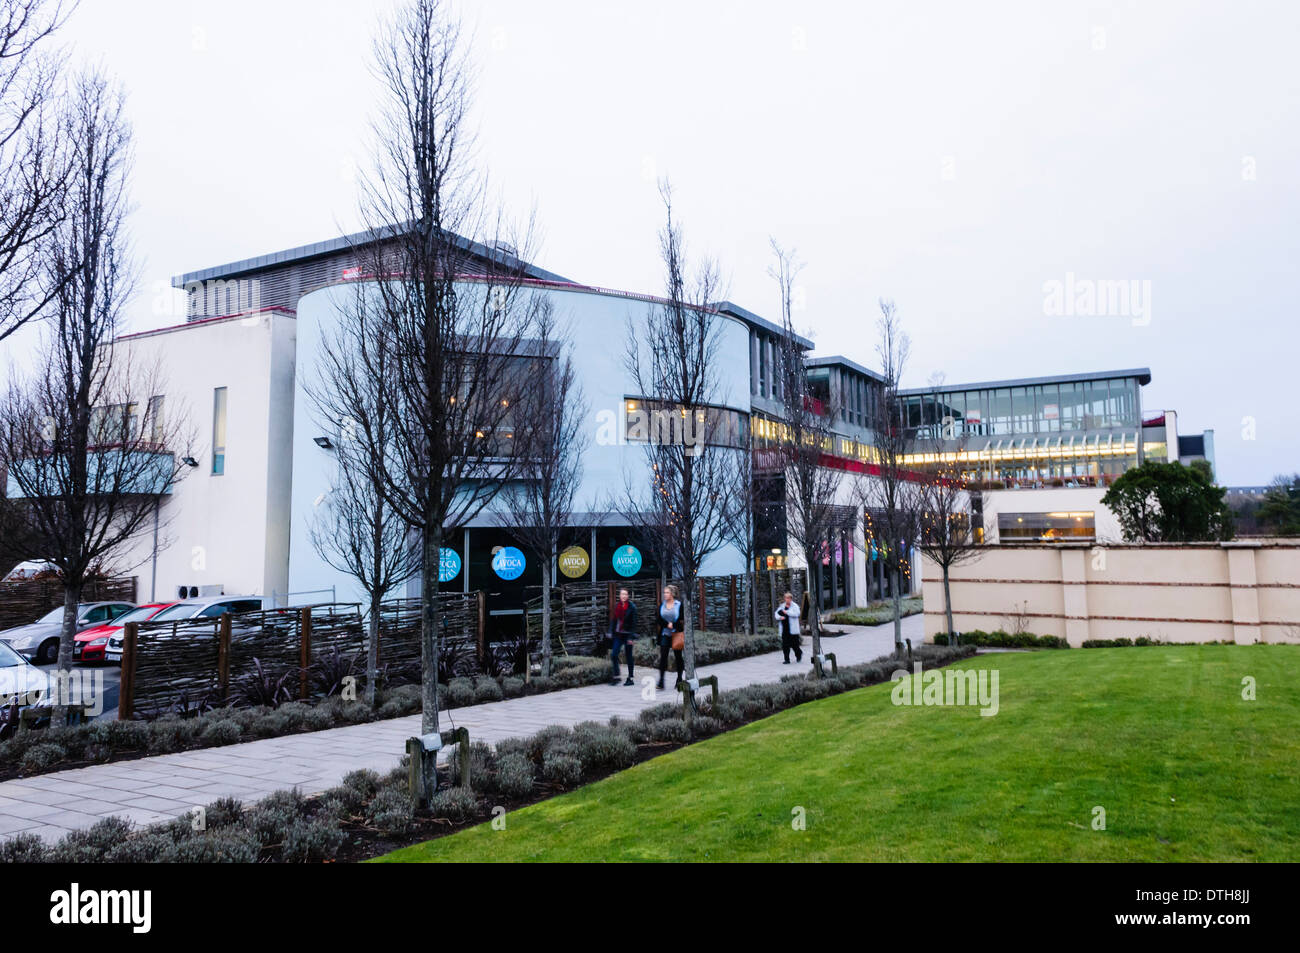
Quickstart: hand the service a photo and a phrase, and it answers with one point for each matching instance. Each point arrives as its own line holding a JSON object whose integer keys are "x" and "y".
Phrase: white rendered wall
{"x": 223, "y": 531}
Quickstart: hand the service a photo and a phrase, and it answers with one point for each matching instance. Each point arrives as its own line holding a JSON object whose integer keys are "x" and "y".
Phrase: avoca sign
{"x": 574, "y": 562}
{"x": 508, "y": 562}
{"x": 627, "y": 560}
{"x": 448, "y": 564}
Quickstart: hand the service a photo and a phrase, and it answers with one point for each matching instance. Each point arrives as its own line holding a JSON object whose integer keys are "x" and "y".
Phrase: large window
{"x": 1046, "y": 527}
{"x": 658, "y": 422}
{"x": 219, "y": 431}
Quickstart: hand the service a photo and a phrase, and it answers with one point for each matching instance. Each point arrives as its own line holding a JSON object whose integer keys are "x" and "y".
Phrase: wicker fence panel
{"x": 586, "y": 606}
{"x": 26, "y": 600}
{"x": 337, "y": 628}
{"x": 399, "y": 635}
{"x": 175, "y": 665}
{"x": 269, "y": 636}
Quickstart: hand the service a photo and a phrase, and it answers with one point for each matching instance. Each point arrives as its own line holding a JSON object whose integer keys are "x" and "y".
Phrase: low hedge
{"x": 999, "y": 639}
{"x": 1140, "y": 640}
{"x": 288, "y": 827}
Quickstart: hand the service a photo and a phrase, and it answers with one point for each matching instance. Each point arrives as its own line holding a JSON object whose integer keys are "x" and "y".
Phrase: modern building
{"x": 1039, "y": 451}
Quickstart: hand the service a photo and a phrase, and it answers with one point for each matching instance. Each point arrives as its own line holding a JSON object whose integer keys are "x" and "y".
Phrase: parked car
{"x": 23, "y": 686}
{"x": 39, "y": 641}
{"x": 91, "y": 644}
{"x": 189, "y": 609}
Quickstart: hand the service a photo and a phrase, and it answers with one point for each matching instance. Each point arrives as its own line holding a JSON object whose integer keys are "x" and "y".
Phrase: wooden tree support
{"x": 422, "y": 773}
{"x": 819, "y": 664}
{"x": 689, "y": 687}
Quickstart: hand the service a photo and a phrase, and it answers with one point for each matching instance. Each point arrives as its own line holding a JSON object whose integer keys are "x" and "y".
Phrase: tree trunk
{"x": 897, "y": 598}
{"x": 372, "y": 651}
{"x": 691, "y": 584}
{"x": 947, "y": 605}
{"x": 814, "y": 629}
{"x": 546, "y": 621}
{"x": 429, "y": 628}
{"x": 63, "y": 667}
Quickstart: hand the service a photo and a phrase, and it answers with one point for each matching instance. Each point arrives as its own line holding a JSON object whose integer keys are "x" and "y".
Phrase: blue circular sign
{"x": 508, "y": 563}
{"x": 448, "y": 564}
{"x": 627, "y": 560}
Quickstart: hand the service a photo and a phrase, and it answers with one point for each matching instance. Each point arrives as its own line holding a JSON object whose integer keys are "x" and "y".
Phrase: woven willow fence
{"x": 26, "y": 600}
{"x": 580, "y": 612}
{"x": 187, "y": 664}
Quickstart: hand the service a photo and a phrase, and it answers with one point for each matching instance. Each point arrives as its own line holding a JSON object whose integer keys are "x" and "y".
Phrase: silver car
{"x": 209, "y": 608}
{"x": 39, "y": 641}
{"x": 23, "y": 686}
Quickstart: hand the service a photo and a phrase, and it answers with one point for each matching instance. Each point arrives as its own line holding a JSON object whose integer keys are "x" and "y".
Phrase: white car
{"x": 23, "y": 686}
{"x": 189, "y": 609}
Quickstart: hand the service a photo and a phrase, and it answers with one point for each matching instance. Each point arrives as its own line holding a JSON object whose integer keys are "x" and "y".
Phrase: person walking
{"x": 672, "y": 633}
{"x": 622, "y": 633}
{"x": 787, "y": 613}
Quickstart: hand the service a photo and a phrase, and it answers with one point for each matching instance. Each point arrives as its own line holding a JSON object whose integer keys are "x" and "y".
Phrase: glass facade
{"x": 1057, "y": 433}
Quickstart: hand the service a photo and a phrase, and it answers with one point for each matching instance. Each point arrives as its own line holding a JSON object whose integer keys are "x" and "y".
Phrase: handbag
{"x": 679, "y": 641}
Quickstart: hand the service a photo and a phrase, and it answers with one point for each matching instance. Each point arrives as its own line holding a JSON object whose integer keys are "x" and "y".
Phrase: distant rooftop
{"x": 842, "y": 361}
{"x": 341, "y": 246}
{"x": 1143, "y": 375}
{"x": 744, "y": 314}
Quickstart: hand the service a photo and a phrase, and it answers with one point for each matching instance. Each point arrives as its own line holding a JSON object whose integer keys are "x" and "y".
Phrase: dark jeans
{"x": 791, "y": 643}
{"x": 679, "y": 664}
{"x": 623, "y": 643}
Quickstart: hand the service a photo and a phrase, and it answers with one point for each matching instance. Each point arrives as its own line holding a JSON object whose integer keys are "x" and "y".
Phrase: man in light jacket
{"x": 787, "y": 613}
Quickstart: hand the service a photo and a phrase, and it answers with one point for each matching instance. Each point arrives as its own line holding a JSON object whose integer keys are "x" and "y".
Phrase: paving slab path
{"x": 165, "y": 786}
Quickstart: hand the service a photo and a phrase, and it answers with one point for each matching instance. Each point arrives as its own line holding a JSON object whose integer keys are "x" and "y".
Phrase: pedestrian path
{"x": 165, "y": 786}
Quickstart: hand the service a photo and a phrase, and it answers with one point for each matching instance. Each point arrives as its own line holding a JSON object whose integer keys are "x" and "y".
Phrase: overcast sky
{"x": 956, "y": 157}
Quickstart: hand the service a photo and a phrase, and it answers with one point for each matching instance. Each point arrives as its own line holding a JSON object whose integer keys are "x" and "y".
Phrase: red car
{"x": 89, "y": 645}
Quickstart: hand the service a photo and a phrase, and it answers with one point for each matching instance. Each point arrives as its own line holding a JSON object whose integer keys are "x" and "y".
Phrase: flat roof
{"x": 749, "y": 317}
{"x": 335, "y": 245}
{"x": 841, "y": 360}
{"x": 1143, "y": 375}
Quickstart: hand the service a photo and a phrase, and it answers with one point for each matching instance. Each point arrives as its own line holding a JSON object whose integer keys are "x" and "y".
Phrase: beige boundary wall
{"x": 1244, "y": 591}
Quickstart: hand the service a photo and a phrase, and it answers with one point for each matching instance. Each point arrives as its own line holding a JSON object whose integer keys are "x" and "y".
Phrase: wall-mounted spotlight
{"x": 324, "y": 443}
{"x": 189, "y": 461}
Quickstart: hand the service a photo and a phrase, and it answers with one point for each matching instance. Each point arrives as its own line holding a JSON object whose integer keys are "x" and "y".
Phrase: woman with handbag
{"x": 622, "y": 632}
{"x": 672, "y": 634}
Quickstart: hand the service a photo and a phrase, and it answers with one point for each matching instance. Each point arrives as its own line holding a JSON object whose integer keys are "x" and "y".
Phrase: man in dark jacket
{"x": 622, "y": 633}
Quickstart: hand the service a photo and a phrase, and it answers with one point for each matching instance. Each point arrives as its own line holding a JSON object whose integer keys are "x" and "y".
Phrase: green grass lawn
{"x": 1159, "y": 737}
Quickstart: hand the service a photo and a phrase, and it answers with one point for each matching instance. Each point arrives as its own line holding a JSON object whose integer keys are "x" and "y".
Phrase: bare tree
{"x": 456, "y": 310}
{"x": 947, "y": 532}
{"x": 811, "y": 488}
{"x": 672, "y": 360}
{"x": 35, "y": 159}
{"x": 890, "y": 492}
{"x": 357, "y": 531}
{"x": 538, "y": 507}
{"x": 85, "y": 440}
